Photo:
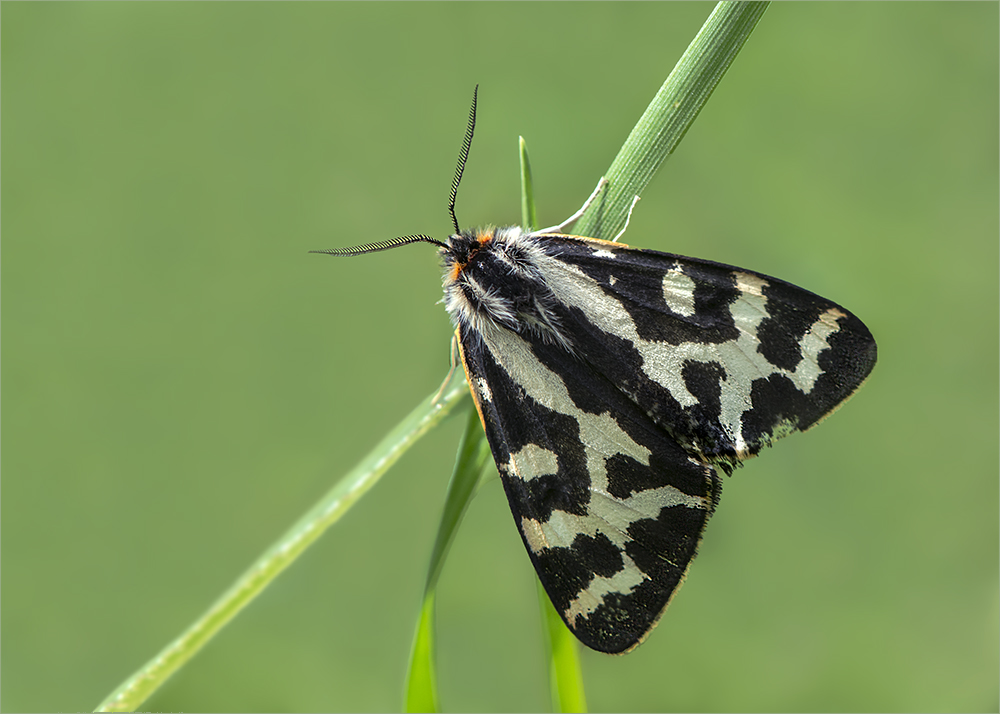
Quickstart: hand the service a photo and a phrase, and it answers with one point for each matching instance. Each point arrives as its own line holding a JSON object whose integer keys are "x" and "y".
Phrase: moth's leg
{"x": 593, "y": 197}
{"x": 627, "y": 219}
{"x": 451, "y": 370}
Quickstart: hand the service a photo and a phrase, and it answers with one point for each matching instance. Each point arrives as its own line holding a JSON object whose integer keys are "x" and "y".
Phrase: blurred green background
{"x": 181, "y": 380}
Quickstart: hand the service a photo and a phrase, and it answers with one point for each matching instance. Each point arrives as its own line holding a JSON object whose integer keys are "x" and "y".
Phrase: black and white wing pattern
{"x": 610, "y": 507}
{"x": 725, "y": 359}
{"x": 611, "y": 381}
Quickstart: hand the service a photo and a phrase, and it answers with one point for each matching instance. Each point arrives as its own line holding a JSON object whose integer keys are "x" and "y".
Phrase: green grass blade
{"x": 473, "y": 457}
{"x": 565, "y": 680}
{"x": 137, "y": 688}
{"x": 529, "y": 218}
{"x": 670, "y": 114}
{"x": 654, "y": 137}
{"x": 421, "y": 679}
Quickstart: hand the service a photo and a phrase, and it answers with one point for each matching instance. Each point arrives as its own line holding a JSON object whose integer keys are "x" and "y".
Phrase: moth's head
{"x": 496, "y": 255}
{"x": 463, "y": 247}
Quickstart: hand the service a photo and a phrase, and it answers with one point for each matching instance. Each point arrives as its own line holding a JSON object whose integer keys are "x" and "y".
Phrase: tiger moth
{"x": 613, "y": 382}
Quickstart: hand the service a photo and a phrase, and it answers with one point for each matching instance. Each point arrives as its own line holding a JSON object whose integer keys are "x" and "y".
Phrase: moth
{"x": 613, "y": 383}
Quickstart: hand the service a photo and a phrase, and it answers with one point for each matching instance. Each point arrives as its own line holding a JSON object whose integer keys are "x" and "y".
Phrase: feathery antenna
{"x": 420, "y": 238}
{"x": 462, "y": 158}
{"x": 381, "y": 245}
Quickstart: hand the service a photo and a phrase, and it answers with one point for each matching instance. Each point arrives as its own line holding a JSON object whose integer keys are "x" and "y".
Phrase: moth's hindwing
{"x": 610, "y": 508}
{"x": 610, "y": 381}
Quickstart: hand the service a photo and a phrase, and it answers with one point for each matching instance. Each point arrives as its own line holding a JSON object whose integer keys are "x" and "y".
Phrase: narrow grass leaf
{"x": 565, "y": 677}
{"x": 421, "y": 679}
{"x": 137, "y": 688}
{"x": 565, "y": 680}
{"x": 670, "y": 114}
{"x": 473, "y": 457}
